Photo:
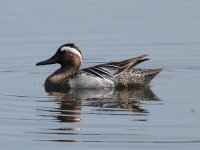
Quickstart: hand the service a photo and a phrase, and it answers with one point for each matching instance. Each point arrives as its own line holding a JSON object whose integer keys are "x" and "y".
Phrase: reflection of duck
{"x": 130, "y": 100}
{"x": 69, "y": 108}
{"x": 95, "y": 103}
{"x": 114, "y": 74}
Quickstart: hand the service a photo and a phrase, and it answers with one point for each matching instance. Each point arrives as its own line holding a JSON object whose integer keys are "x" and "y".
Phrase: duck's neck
{"x": 59, "y": 80}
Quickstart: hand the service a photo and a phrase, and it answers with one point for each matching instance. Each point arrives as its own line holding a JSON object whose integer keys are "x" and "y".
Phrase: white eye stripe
{"x": 70, "y": 49}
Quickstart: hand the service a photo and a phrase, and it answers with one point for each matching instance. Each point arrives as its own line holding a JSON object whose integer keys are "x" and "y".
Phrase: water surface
{"x": 163, "y": 115}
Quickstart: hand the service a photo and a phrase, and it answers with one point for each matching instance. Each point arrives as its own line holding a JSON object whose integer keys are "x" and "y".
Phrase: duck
{"x": 116, "y": 74}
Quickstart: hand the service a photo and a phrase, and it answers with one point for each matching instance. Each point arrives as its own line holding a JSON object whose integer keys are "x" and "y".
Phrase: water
{"x": 164, "y": 115}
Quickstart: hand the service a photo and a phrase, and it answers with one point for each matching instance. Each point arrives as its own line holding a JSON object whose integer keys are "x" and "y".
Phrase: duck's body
{"x": 108, "y": 75}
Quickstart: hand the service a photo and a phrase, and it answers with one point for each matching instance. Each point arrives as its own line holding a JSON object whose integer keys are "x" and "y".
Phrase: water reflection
{"x": 128, "y": 99}
{"x": 69, "y": 107}
{"x": 69, "y": 111}
{"x": 69, "y": 104}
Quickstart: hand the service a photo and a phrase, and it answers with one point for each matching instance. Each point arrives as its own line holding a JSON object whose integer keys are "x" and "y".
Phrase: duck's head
{"x": 67, "y": 55}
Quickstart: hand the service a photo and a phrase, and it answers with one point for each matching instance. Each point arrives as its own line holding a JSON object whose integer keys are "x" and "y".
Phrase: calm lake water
{"x": 164, "y": 115}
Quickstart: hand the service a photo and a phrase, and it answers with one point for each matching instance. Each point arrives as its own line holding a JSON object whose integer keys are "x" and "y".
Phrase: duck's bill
{"x": 51, "y": 60}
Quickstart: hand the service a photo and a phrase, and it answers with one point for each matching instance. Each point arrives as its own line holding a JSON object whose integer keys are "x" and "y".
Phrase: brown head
{"x": 67, "y": 55}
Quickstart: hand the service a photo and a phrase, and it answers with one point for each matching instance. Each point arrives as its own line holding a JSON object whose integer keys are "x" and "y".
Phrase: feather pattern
{"x": 113, "y": 69}
{"x": 107, "y": 75}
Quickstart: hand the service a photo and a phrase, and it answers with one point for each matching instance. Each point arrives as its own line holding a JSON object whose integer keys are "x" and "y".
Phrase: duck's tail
{"x": 139, "y": 77}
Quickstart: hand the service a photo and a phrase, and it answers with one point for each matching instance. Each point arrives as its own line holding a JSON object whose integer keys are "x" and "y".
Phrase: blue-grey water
{"x": 164, "y": 115}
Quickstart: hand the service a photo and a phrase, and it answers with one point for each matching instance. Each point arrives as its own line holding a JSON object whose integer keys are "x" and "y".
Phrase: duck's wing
{"x": 113, "y": 69}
